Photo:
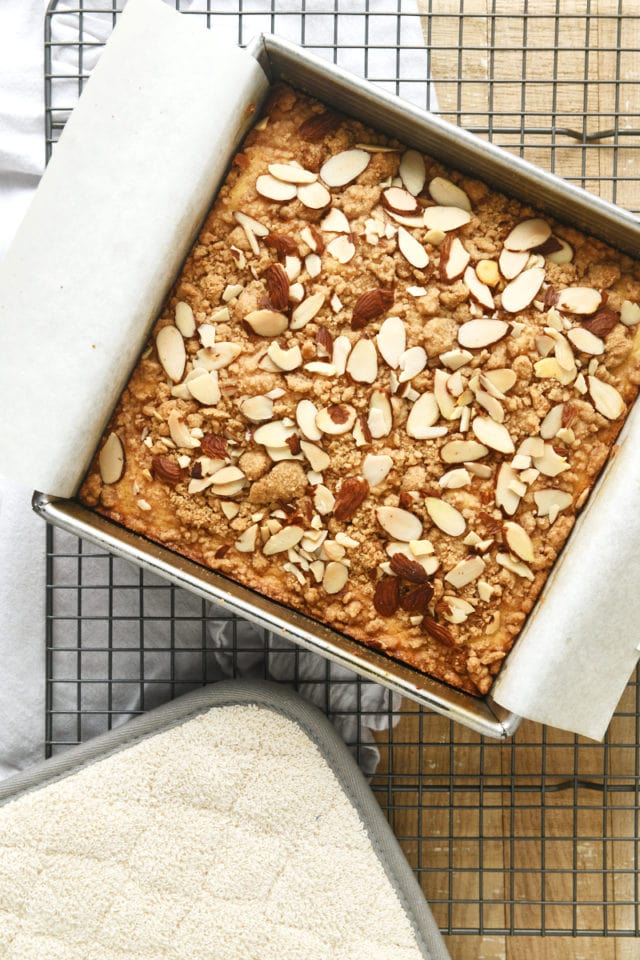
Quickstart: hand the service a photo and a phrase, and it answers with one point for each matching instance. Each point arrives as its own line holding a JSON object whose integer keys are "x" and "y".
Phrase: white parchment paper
{"x": 116, "y": 212}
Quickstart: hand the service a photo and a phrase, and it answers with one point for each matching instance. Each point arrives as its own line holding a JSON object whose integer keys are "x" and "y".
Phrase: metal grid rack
{"x": 533, "y": 837}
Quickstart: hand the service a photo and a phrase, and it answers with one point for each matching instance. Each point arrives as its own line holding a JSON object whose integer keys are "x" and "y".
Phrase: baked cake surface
{"x": 378, "y": 393}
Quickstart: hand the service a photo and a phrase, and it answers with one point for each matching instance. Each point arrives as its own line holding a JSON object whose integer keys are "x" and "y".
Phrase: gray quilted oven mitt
{"x": 230, "y": 824}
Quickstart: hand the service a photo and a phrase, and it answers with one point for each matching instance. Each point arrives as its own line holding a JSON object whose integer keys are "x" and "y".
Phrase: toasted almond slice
{"x": 502, "y": 380}
{"x": 344, "y": 167}
{"x": 335, "y": 577}
{"x": 323, "y": 500}
{"x": 492, "y": 434}
{"x": 506, "y": 497}
{"x": 458, "y": 610}
{"x": 267, "y": 186}
{"x": 518, "y": 541}
{"x": 267, "y": 323}
{"x": 475, "y": 334}
{"x": 257, "y": 409}
{"x": 335, "y": 222}
{"x": 549, "y": 368}
{"x": 274, "y": 434}
{"x": 412, "y": 171}
{"x": 306, "y": 413}
{"x": 111, "y": 459}
{"x": 307, "y": 310}
{"x": 400, "y": 201}
{"x": 528, "y": 234}
{"x": 586, "y": 342}
{"x": 445, "y": 218}
{"x": 291, "y": 173}
{"x": 580, "y": 300}
{"x": 491, "y": 405}
{"x": 185, "y": 321}
{"x": 487, "y": 272}
{"x": 462, "y": 451}
{"x": 456, "y": 261}
{"x": 246, "y": 542}
{"x": 230, "y": 510}
{"x": 454, "y": 359}
{"x": 220, "y": 354}
{"x": 283, "y": 540}
{"x": 392, "y": 340}
{"x": 445, "y": 516}
{"x": 207, "y": 334}
{"x": 512, "y": 263}
{"x": 292, "y": 267}
{"x": 296, "y": 292}
{"x": 482, "y": 470}
{"x": 552, "y": 422}
{"x": 228, "y": 475}
{"x": 552, "y": 502}
{"x": 606, "y": 398}
{"x": 341, "y": 350}
{"x": 375, "y": 468}
{"x": 362, "y": 365}
{"x": 399, "y": 524}
{"x": 519, "y": 293}
{"x": 336, "y": 419}
{"x": 465, "y": 572}
{"x": 342, "y": 248}
{"x": 171, "y": 352}
{"x": 380, "y": 419}
{"x": 285, "y": 359}
{"x": 313, "y": 264}
{"x": 423, "y": 415}
{"x": 444, "y": 399}
{"x": 514, "y": 566}
{"x": 205, "y": 389}
{"x": 411, "y": 363}
{"x": 564, "y": 353}
{"x": 629, "y": 313}
{"x": 317, "y": 457}
{"x": 447, "y": 194}
{"x": 404, "y": 220}
{"x": 455, "y": 479}
{"x": 412, "y": 250}
{"x": 479, "y": 291}
{"x": 315, "y": 196}
{"x": 180, "y": 433}
{"x": 563, "y": 255}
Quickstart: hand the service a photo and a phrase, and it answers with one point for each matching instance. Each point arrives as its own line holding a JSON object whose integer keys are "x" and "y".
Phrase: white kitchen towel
{"x": 366, "y": 46}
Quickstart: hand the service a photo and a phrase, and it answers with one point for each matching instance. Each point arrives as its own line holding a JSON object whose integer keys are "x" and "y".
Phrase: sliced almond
{"x": 171, "y": 352}
{"x": 344, "y": 167}
{"x": 515, "y": 566}
{"x": 283, "y": 540}
{"x": 461, "y": 451}
{"x": 552, "y": 502}
{"x": 335, "y": 577}
{"x": 336, "y": 419}
{"x": 219, "y": 355}
{"x": 323, "y": 499}
{"x": 475, "y": 334}
{"x": 455, "y": 479}
{"x": 362, "y": 365}
{"x": 411, "y": 363}
{"x": 552, "y": 422}
{"x": 292, "y": 173}
{"x": 465, "y": 572}
{"x": 111, "y": 459}
{"x": 492, "y": 434}
{"x": 375, "y": 468}
{"x": 423, "y": 415}
{"x": 454, "y": 260}
{"x": 447, "y": 194}
{"x": 399, "y": 524}
{"x": 444, "y": 399}
{"x": 267, "y": 186}
{"x": 512, "y": 263}
{"x": 257, "y": 409}
{"x": 458, "y": 610}
{"x": 317, "y": 457}
{"x": 274, "y": 434}
{"x": 487, "y": 272}
{"x": 228, "y": 474}
{"x": 246, "y": 542}
{"x": 445, "y": 218}
{"x": 335, "y": 222}
{"x": 580, "y": 300}
{"x": 322, "y": 368}
{"x": 629, "y": 313}
{"x": 491, "y": 405}
{"x": 287, "y": 360}
{"x": 313, "y": 265}
{"x": 380, "y": 418}
{"x": 528, "y": 235}
{"x": 563, "y": 255}
{"x": 506, "y": 497}
{"x": 413, "y": 222}
{"x": 519, "y": 293}
{"x": 412, "y": 171}
{"x": 391, "y": 340}
{"x": 400, "y": 201}
{"x": 230, "y": 510}
{"x": 479, "y": 291}
{"x": 185, "y": 320}
{"x": 606, "y": 398}
{"x": 180, "y": 433}
{"x": 445, "y": 516}
{"x": 518, "y": 541}
{"x": 267, "y": 323}
{"x": 315, "y": 196}
{"x": 454, "y": 359}
{"x": 481, "y": 470}
{"x": 342, "y": 248}
{"x": 307, "y": 310}
{"x": 205, "y": 389}
{"x": 549, "y": 368}
{"x": 502, "y": 379}
{"x": 306, "y": 412}
{"x": 412, "y": 250}
{"x": 586, "y": 342}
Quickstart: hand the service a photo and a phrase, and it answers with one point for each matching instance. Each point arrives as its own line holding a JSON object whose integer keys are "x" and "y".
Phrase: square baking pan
{"x": 285, "y": 61}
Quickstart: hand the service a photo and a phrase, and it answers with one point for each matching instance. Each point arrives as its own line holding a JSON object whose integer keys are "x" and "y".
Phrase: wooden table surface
{"x": 480, "y": 842}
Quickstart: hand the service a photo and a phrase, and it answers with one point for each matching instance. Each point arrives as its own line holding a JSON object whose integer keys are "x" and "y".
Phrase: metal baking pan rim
{"x": 480, "y": 714}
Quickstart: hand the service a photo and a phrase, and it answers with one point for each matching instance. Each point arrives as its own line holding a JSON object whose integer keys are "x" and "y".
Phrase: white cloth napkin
{"x": 22, "y": 534}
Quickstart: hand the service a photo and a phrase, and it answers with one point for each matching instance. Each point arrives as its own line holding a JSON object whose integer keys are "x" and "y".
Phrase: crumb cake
{"x": 379, "y": 393}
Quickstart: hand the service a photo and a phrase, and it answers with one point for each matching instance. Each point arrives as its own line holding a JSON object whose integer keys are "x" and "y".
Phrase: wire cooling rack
{"x": 537, "y": 836}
